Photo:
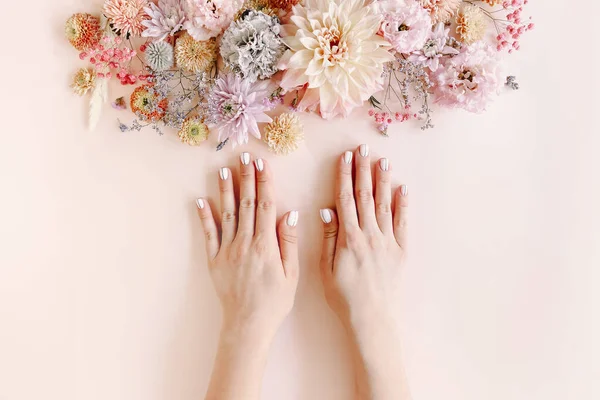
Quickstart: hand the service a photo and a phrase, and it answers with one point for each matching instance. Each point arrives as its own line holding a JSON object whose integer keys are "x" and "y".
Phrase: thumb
{"x": 330, "y": 233}
{"x": 288, "y": 243}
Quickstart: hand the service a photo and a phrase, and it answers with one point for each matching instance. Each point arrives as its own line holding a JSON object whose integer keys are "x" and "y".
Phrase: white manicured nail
{"x": 259, "y": 164}
{"x": 325, "y": 215}
{"x": 292, "y": 219}
{"x": 245, "y": 158}
{"x": 403, "y": 190}
{"x": 384, "y": 164}
{"x": 224, "y": 173}
{"x": 200, "y": 203}
{"x": 348, "y": 157}
{"x": 363, "y": 150}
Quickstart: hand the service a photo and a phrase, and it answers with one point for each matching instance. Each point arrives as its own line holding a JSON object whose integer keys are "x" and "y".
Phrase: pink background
{"x": 104, "y": 293}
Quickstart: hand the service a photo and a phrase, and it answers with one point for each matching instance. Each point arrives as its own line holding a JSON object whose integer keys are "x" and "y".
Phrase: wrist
{"x": 250, "y": 332}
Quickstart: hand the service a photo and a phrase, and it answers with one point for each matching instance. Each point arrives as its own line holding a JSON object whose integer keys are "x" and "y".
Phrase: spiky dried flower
{"x": 195, "y": 56}
{"x": 126, "y": 15}
{"x": 285, "y": 5}
{"x": 257, "y": 5}
{"x": 471, "y": 23}
{"x": 193, "y": 131}
{"x": 83, "y": 31}
{"x": 159, "y": 55}
{"x": 83, "y": 81}
{"x": 441, "y": 10}
{"x": 284, "y": 133}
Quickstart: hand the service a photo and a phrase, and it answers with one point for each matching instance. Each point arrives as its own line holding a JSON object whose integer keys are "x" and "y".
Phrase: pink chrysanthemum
{"x": 435, "y": 47}
{"x": 126, "y": 15}
{"x": 405, "y": 25}
{"x": 441, "y": 10}
{"x": 206, "y": 19}
{"x": 165, "y": 19}
{"x": 236, "y": 107}
{"x": 469, "y": 79}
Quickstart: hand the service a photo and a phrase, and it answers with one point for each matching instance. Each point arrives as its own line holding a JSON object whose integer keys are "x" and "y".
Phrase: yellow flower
{"x": 257, "y": 5}
{"x": 284, "y": 133}
{"x": 194, "y": 56}
{"x": 83, "y": 81}
{"x": 471, "y": 24}
{"x": 493, "y": 3}
{"x": 83, "y": 31}
{"x": 194, "y": 131}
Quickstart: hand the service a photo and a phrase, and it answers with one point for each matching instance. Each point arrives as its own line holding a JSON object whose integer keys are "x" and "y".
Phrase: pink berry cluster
{"x": 109, "y": 57}
{"x": 384, "y": 119}
{"x": 508, "y": 38}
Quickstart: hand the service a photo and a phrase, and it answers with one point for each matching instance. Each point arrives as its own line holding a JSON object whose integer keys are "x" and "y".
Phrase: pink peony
{"x": 469, "y": 79}
{"x": 406, "y": 24}
{"x": 209, "y": 18}
{"x": 236, "y": 107}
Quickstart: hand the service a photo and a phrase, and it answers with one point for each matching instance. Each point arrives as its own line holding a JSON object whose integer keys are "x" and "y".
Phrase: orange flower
{"x": 83, "y": 31}
{"x": 147, "y": 104}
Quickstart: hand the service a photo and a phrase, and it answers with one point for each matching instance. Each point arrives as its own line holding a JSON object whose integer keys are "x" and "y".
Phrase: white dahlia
{"x": 335, "y": 51}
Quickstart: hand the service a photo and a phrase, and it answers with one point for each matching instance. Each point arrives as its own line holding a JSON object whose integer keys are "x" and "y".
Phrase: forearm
{"x": 239, "y": 364}
{"x": 377, "y": 356}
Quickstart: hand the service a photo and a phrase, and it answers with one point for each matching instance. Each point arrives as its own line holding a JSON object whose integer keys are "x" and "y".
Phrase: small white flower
{"x": 159, "y": 56}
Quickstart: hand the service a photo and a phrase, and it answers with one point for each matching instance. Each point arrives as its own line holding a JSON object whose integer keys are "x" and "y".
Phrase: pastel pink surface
{"x": 104, "y": 292}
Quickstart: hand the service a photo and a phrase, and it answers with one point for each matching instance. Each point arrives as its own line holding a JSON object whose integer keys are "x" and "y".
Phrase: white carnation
{"x": 251, "y": 46}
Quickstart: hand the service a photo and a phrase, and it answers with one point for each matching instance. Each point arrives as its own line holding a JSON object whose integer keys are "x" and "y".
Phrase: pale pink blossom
{"x": 206, "y": 19}
{"x": 406, "y": 24}
{"x": 468, "y": 80}
{"x": 126, "y": 15}
{"x": 166, "y": 19}
{"x": 435, "y": 47}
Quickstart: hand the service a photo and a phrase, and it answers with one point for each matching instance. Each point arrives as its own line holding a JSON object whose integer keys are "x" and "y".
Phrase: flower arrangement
{"x": 233, "y": 69}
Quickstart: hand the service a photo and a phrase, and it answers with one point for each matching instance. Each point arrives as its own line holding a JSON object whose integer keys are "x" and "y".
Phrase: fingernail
{"x": 403, "y": 190}
{"x": 259, "y": 164}
{"x": 200, "y": 203}
{"x": 348, "y": 157}
{"x": 384, "y": 164}
{"x": 245, "y": 158}
{"x": 325, "y": 215}
{"x": 224, "y": 173}
{"x": 292, "y": 219}
{"x": 363, "y": 150}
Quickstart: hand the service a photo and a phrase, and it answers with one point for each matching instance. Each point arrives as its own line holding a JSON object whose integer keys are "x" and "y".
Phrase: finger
{"x": 330, "y": 234}
{"x": 288, "y": 244}
{"x": 228, "y": 217}
{"x": 210, "y": 228}
{"x": 400, "y": 215}
{"x": 265, "y": 214}
{"x": 363, "y": 188}
{"x": 383, "y": 196}
{"x": 344, "y": 199}
{"x": 247, "y": 197}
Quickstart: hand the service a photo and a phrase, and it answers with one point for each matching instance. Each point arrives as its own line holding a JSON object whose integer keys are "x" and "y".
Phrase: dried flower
{"x": 235, "y": 108}
{"x": 147, "y": 104}
{"x": 194, "y": 131}
{"x": 434, "y": 48}
{"x": 257, "y": 5}
{"x": 406, "y": 24}
{"x": 83, "y": 31}
{"x": 469, "y": 79}
{"x": 284, "y": 133}
{"x": 471, "y": 23}
{"x": 511, "y": 82}
{"x": 207, "y": 19}
{"x": 159, "y": 55}
{"x": 126, "y": 15}
{"x": 251, "y": 46}
{"x": 119, "y": 103}
{"x": 493, "y": 3}
{"x": 165, "y": 19}
{"x": 335, "y": 49}
{"x": 441, "y": 10}
{"x": 194, "y": 56}
{"x": 285, "y": 5}
{"x": 83, "y": 81}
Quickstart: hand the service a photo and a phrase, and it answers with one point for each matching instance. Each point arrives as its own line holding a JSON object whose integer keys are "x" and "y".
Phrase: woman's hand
{"x": 254, "y": 267}
{"x": 361, "y": 259}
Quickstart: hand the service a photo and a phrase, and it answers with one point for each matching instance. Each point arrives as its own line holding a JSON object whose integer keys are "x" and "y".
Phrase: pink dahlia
{"x": 206, "y": 19}
{"x": 405, "y": 25}
{"x": 469, "y": 79}
{"x": 165, "y": 19}
{"x": 126, "y": 15}
{"x": 236, "y": 107}
{"x": 434, "y": 48}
